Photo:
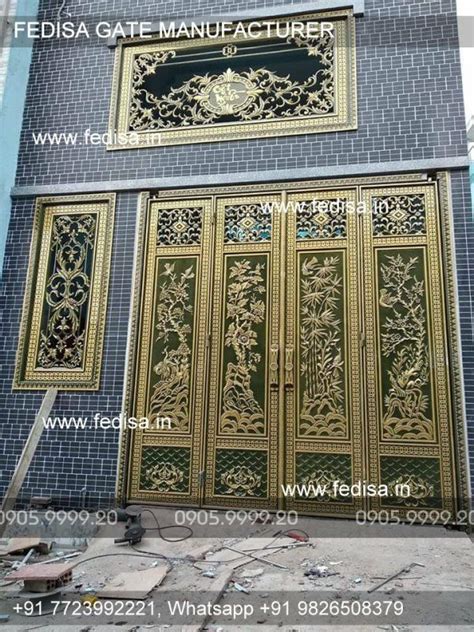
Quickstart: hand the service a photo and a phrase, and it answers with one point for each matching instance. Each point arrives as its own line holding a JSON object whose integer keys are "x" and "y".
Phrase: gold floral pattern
{"x": 170, "y": 397}
{"x": 67, "y": 293}
{"x": 420, "y": 489}
{"x": 399, "y": 215}
{"x": 405, "y": 351}
{"x": 245, "y": 95}
{"x": 248, "y": 96}
{"x": 141, "y": 105}
{"x": 322, "y": 411}
{"x": 241, "y": 481}
{"x": 179, "y": 227}
{"x": 245, "y": 309}
{"x": 247, "y": 223}
{"x": 322, "y": 484}
{"x": 164, "y": 477}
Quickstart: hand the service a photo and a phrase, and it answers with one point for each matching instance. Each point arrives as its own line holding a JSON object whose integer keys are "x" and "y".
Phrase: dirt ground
{"x": 340, "y": 563}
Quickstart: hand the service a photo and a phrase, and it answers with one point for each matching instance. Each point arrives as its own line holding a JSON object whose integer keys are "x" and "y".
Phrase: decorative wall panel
{"x": 201, "y": 90}
{"x": 66, "y": 298}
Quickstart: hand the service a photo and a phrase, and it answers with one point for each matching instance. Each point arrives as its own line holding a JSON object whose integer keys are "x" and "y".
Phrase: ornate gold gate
{"x": 296, "y": 337}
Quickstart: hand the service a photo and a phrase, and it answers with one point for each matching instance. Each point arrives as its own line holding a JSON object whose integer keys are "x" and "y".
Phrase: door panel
{"x": 409, "y": 413}
{"x": 242, "y": 434}
{"x": 323, "y": 394}
{"x": 166, "y": 458}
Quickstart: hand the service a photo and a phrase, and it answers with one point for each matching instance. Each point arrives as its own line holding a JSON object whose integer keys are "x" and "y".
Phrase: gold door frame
{"x": 441, "y": 191}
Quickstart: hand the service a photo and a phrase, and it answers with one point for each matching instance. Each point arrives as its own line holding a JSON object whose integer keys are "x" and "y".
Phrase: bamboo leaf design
{"x": 322, "y": 367}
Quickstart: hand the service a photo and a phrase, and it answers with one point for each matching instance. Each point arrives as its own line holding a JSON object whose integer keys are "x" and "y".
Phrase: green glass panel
{"x": 420, "y": 475}
{"x": 319, "y": 472}
{"x": 165, "y": 469}
{"x": 241, "y": 473}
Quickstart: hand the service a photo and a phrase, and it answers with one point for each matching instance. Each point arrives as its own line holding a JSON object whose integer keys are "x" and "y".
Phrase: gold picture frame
{"x": 64, "y": 311}
{"x": 160, "y": 53}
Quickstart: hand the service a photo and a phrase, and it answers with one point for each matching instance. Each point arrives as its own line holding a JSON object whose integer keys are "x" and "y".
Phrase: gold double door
{"x": 292, "y": 353}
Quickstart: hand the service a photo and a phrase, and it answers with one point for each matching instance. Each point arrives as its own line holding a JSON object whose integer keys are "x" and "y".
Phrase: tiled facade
{"x": 410, "y": 109}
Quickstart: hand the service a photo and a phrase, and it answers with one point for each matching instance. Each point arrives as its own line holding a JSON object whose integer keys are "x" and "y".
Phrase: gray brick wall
{"x": 410, "y": 108}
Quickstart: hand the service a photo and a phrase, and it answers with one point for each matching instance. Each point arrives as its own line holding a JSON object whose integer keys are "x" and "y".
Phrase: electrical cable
{"x": 124, "y": 554}
{"x": 160, "y": 529}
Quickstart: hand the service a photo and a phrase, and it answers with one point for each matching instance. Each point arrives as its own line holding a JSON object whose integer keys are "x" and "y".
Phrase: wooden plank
{"x": 17, "y": 545}
{"x": 134, "y": 585}
{"x": 26, "y": 457}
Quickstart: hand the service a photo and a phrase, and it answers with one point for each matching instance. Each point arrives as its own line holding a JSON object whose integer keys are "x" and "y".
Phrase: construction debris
{"x": 241, "y": 588}
{"x": 64, "y": 556}
{"x": 20, "y": 546}
{"x": 251, "y": 573}
{"x": 40, "y": 502}
{"x": 255, "y": 557}
{"x": 222, "y": 575}
{"x": 319, "y": 571}
{"x": 42, "y": 579}
{"x": 405, "y": 569}
{"x": 24, "y": 561}
{"x": 134, "y": 585}
{"x": 239, "y": 553}
{"x": 298, "y": 536}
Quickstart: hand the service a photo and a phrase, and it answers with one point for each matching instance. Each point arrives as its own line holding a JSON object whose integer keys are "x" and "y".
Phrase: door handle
{"x": 289, "y": 367}
{"x": 274, "y": 352}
